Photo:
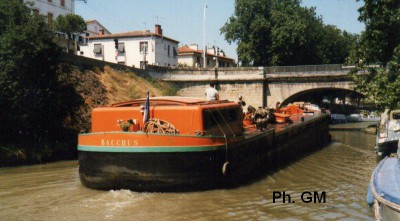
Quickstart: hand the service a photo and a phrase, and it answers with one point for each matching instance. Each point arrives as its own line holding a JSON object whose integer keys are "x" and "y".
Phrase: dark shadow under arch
{"x": 326, "y": 97}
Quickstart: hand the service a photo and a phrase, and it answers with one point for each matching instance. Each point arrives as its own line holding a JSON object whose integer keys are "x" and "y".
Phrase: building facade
{"x": 135, "y": 49}
{"x": 52, "y": 8}
{"x": 191, "y": 56}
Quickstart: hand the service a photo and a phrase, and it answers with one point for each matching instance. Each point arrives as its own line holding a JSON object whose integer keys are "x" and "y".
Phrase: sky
{"x": 182, "y": 20}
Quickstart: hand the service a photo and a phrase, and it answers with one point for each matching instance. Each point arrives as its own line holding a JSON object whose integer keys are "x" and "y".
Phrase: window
{"x": 208, "y": 61}
{"x": 168, "y": 52}
{"x": 213, "y": 118}
{"x": 396, "y": 116}
{"x": 62, "y": 3}
{"x": 121, "y": 47}
{"x": 143, "y": 64}
{"x": 50, "y": 0}
{"x": 174, "y": 52}
{"x": 143, "y": 46}
{"x": 97, "y": 49}
{"x": 35, "y": 11}
{"x": 50, "y": 19}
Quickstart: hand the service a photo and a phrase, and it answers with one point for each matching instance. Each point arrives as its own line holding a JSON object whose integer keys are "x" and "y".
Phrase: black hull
{"x": 258, "y": 154}
{"x": 150, "y": 171}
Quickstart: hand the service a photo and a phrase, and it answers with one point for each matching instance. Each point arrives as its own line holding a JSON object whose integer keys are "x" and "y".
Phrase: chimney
{"x": 158, "y": 30}
{"x": 101, "y": 32}
{"x": 194, "y": 47}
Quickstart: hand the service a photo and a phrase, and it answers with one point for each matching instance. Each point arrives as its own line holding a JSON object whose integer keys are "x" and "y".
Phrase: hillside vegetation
{"x": 83, "y": 91}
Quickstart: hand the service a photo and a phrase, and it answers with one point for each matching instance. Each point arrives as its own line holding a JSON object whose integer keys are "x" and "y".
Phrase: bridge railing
{"x": 307, "y": 68}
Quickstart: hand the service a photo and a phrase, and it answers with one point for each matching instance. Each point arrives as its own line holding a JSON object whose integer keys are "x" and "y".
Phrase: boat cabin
{"x": 190, "y": 116}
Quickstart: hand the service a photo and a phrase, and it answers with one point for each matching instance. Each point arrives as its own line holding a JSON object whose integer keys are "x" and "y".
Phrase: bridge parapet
{"x": 246, "y": 74}
{"x": 326, "y": 68}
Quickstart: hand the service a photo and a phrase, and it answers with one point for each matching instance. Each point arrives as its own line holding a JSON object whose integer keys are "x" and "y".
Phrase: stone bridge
{"x": 259, "y": 86}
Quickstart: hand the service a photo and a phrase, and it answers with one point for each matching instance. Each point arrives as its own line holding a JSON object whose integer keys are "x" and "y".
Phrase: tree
{"x": 30, "y": 97}
{"x": 282, "y": 32}
{"x": 379, "y": 43}
{"x": 382, "y": 28}
{"x": 69, "y": 24}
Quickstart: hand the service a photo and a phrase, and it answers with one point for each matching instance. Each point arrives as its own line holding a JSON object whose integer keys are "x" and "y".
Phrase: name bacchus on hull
{"x": 119, "y": 142}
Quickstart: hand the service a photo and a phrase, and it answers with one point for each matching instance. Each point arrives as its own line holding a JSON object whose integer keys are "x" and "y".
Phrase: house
{"x": 94, "y": 28}
{"x": 135, "y": 48}
{"x": 191, "y": 56}
{"x": 52, "y": 8}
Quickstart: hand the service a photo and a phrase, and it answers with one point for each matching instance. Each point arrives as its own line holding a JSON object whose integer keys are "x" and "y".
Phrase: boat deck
{"x": 386, "y": 180}
{"x": 251, "y": 130}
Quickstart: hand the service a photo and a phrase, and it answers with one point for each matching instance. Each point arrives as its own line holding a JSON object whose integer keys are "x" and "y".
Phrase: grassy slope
{"x": 123, "y": 86}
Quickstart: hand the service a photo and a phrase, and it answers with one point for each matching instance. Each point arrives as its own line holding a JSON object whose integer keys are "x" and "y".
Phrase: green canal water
{"x": 342, "y": 170}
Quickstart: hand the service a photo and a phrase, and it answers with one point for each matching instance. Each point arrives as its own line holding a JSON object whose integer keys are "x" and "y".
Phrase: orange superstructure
{"x": 189, "y": 115}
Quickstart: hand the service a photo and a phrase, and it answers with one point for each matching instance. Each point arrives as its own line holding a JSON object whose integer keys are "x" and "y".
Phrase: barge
{"x": 181, "y": 144}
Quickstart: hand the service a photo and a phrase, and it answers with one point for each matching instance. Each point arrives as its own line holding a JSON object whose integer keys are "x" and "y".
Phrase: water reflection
{"x": 343, "y": 169}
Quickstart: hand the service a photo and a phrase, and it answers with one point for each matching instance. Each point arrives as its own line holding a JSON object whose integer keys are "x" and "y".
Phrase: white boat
{"x": 360, "y": 117}
{"x": 388, "y": 133}
{"x": 384, "y": 189}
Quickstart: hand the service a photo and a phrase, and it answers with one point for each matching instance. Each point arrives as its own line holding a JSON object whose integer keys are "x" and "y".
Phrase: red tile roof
{"x": 132, "y": 34}
{"x": 187, "y": 50}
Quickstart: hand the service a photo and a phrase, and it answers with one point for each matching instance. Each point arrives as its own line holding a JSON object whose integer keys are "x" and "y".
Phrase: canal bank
{"x": 367, "y": 127}
{"x": 342, "y": 169}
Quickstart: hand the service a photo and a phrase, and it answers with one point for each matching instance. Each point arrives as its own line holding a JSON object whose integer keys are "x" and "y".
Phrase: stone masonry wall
{"x": 259, "y": 86}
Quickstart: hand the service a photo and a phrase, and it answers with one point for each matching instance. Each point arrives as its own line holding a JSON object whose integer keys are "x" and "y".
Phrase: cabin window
{"x": 62, "y": 3}
{"x": 396, "y": 116}
{"x": 97, "y": 49}
{"x": 213, "y": 118}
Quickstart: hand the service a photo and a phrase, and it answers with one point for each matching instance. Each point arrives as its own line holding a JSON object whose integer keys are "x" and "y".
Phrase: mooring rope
{"x": 226, "y": 144}
{"x": 155, "y": 125}
{"x": 226, "y": 123}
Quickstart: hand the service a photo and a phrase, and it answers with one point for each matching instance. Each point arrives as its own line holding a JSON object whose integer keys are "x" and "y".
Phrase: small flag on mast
{"x": 146, "y": 109}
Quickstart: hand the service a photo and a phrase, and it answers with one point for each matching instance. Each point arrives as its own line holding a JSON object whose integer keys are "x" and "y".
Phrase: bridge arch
{"x": 285, "y": 92}
{"x": 328, "y": 95}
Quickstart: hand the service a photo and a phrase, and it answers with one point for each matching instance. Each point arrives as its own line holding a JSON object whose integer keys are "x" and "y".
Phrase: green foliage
{"x": 69, "y": 24}
{"x": 381, "y": 84}
{"x": 281, "y": 32}
{"x": 379, "y": 43}
{"x": 32, "y": 99}
{"x": 382, "y": 28}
